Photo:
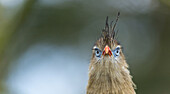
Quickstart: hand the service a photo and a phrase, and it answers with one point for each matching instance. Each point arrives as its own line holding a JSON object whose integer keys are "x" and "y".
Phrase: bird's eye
{"x": 97, "y": 52}
{"x": 116, "y": 52}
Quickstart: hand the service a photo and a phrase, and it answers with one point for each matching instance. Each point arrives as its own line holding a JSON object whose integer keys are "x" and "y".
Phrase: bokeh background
{"x": 45, "y": 45}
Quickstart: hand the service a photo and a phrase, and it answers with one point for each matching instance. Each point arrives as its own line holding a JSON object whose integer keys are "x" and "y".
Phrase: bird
{"x": 108, "y": 70}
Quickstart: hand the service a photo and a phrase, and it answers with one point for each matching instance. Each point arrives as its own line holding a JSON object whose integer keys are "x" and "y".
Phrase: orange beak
{"x": 107, "y": 51}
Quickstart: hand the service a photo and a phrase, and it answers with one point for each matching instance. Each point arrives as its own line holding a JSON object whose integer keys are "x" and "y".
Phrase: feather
{"x": 109, "y": 74}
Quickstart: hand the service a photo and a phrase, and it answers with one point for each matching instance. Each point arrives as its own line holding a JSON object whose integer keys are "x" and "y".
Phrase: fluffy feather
{"x": 109, "y": 74}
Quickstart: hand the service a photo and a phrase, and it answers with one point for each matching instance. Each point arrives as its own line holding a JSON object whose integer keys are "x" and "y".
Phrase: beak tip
{"x": 107, "y": 50}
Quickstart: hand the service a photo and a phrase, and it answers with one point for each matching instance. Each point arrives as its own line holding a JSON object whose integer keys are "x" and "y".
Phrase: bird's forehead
{"x": 101, "y": 43}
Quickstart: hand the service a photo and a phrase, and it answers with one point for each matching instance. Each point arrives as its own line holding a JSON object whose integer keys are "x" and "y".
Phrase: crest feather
{"x": 109, "y": 31}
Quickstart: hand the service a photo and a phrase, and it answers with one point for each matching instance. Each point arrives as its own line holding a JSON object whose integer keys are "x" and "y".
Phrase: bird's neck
{"x": 112, "y": 79}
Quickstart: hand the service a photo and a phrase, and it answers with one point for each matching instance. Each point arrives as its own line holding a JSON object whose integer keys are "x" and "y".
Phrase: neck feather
{"x": 110, "y": 78}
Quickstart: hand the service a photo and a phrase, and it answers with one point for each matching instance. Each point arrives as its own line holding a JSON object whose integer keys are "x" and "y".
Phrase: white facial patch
{"x": 118, "y": 46}
{"x": 94, "y": 47}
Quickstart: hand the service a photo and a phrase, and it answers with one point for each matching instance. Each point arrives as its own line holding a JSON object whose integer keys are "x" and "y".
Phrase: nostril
{"x": 103, "y": 53}
{"x": 110, "y": 53}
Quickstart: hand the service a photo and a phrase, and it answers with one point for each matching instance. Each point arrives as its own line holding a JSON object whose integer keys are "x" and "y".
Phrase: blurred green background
{"x": 45, "y": 45}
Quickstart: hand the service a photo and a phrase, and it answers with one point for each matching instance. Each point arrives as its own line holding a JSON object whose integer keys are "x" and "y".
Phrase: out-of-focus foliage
{"x": 45, "y": 45}
{"x": 166, "y": 2}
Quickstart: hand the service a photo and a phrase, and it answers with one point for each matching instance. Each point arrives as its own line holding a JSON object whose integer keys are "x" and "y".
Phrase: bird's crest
{"x": 109, "y": 31}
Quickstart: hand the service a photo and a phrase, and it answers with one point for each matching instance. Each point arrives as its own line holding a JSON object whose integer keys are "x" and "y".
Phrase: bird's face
{"x": 107, "y": 51}
{"x": 107, "y": 54}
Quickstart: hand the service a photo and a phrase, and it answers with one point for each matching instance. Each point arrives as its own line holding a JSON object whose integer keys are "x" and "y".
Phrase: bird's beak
{"x": 107, "y": 51}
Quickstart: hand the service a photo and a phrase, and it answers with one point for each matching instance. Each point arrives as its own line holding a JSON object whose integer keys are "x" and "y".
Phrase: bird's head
{"x": 107, "y": 51}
